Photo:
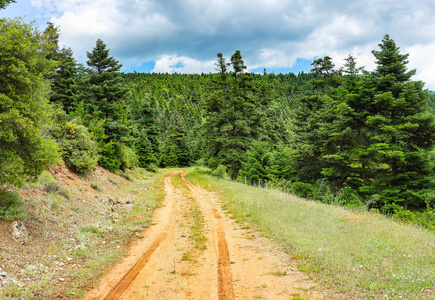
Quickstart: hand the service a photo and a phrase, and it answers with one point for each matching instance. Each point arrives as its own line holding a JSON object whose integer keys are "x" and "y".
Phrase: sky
{"x": 281, "y": 36}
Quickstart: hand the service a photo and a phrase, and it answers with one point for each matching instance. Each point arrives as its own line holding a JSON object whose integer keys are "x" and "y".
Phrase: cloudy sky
{"x": 184, "y": 36}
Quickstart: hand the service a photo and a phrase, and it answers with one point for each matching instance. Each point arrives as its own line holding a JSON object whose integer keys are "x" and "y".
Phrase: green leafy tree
{"x": 5, "y": 3}
{"x": 79, "y": 150}
{"x": 144, "y": 151}
{"x": 24, "y": 148}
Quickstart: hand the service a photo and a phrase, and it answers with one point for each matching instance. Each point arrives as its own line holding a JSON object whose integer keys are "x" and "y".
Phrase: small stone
{"x": 115, "y": 221}
{"x": 62, "y": 279}
{"x": 19, "y": 232}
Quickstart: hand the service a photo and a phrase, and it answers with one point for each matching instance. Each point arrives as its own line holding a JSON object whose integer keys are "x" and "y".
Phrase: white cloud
{"x": 269, "y": 33}
{"x": 182, "y": 64}
{"x": 421, "y": 58}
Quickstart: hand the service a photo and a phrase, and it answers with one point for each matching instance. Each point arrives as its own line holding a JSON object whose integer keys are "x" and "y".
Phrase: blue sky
{"x": 279, "y": 35}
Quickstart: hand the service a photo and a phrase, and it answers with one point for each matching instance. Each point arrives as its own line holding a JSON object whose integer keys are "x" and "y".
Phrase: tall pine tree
{"x": 401, "y": 132}
{"x": 103, "y": 108}
{"x": 234, "y": 117}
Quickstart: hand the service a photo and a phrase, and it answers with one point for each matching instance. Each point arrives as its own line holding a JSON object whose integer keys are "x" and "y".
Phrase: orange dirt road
{"x": 235, "y": 264}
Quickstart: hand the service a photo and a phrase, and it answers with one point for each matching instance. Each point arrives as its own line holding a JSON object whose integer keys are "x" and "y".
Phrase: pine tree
{"x": 402, "y": 132}
{"x": 64, "y": 80}
{"x": 234, "y": 117}
{"x": 176, "y": 151}
{"x": 103, "y": 108}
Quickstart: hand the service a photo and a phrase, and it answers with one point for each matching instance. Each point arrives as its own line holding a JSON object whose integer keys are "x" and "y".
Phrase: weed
{"x": 297, "y": 297}
{"x": 96, "y": 186}
{"x": 11, "y": 206}
{"x": 280, "y": 272}
{"x": 173, "y": 271}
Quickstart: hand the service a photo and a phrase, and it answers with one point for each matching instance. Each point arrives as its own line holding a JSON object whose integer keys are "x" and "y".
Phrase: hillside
{"x": 78, "y": 225}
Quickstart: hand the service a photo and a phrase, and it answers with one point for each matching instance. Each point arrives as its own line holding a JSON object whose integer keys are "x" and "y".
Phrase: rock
{"x": 19, "y": 232}
{"x": 79, "y": 247}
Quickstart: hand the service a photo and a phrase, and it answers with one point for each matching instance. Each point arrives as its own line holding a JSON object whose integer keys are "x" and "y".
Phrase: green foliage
{"x": 5, "y": 3}
{"x": 347, "y": 196}
{"x": 79, "y": 150}
{"x": 144, "y": 151}
{"x": 235, "y": 117}
{"x": 220, "y": 172}
{"x": 423, "y": 218}
{"x": 256, "y": 167}
{"x": 128, "y": 158}
{"x": 101, "y": 106}
{"x": 11, "y": 206}
{"x": 369, "y": 136}
{"x": 64, "y": 80}
{"x": 110, "y": 154}
{"x": 302, "y": 189}
{"x": 24, "y": 149}
{"x": 176, "y": 151}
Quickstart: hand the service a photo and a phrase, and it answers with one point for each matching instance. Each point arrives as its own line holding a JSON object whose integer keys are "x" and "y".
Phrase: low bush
{"x": 11, "y": 206}
{"x": 302, "y": 189}
{"x": 79, "y": 150}
{"x": 220, "y": 172}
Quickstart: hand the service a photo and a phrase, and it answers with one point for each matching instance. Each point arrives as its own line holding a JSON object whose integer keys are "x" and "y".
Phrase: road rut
{"x": 235, "y": 263}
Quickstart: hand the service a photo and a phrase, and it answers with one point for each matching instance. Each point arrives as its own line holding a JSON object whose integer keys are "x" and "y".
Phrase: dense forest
{"x": 344, "y": 136}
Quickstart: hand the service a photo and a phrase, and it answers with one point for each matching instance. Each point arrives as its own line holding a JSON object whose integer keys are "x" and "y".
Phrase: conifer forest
{"x": 348, "y": 136}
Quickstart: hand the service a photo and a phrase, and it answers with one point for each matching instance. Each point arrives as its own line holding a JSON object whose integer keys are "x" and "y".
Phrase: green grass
{"x": 11, "y": 206}
{"x": 363, "y": 254}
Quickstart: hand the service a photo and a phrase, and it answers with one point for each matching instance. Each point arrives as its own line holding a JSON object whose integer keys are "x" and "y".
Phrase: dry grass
{"x": 360, "y": 255}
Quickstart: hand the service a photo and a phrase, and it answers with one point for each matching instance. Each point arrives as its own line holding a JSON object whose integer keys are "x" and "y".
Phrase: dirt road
{"x": 194, "y": 251}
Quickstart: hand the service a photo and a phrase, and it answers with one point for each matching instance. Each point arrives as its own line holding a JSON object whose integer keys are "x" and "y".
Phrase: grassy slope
{"x": 360, "y": 254}
{"x": 75, "y": 212}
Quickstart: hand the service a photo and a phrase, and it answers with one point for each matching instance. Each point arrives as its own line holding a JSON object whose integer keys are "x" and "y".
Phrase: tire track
{"x": 225, "y": 277}
{"x": 115, "y": 290}
{"x": 233, "y": 264}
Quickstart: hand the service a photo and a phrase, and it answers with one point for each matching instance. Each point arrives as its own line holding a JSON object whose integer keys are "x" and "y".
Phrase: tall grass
{"x": 360, "y": 254}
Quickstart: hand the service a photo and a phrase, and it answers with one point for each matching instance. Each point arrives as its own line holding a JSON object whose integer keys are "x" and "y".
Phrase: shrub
{"x": 79, "y": 150}
{"x": 11, "y": 206}
{"x": 128, "y": 158}
{"x": 220, "y": 172}
{"x": 348, "y": 197}
{"x": 109, "y": 156}
{"x": 322, "y": 192}
{"x": 302, "y": 189}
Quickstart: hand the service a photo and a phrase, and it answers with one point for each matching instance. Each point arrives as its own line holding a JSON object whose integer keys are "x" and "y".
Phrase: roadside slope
{"x": 78, "y": 226}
